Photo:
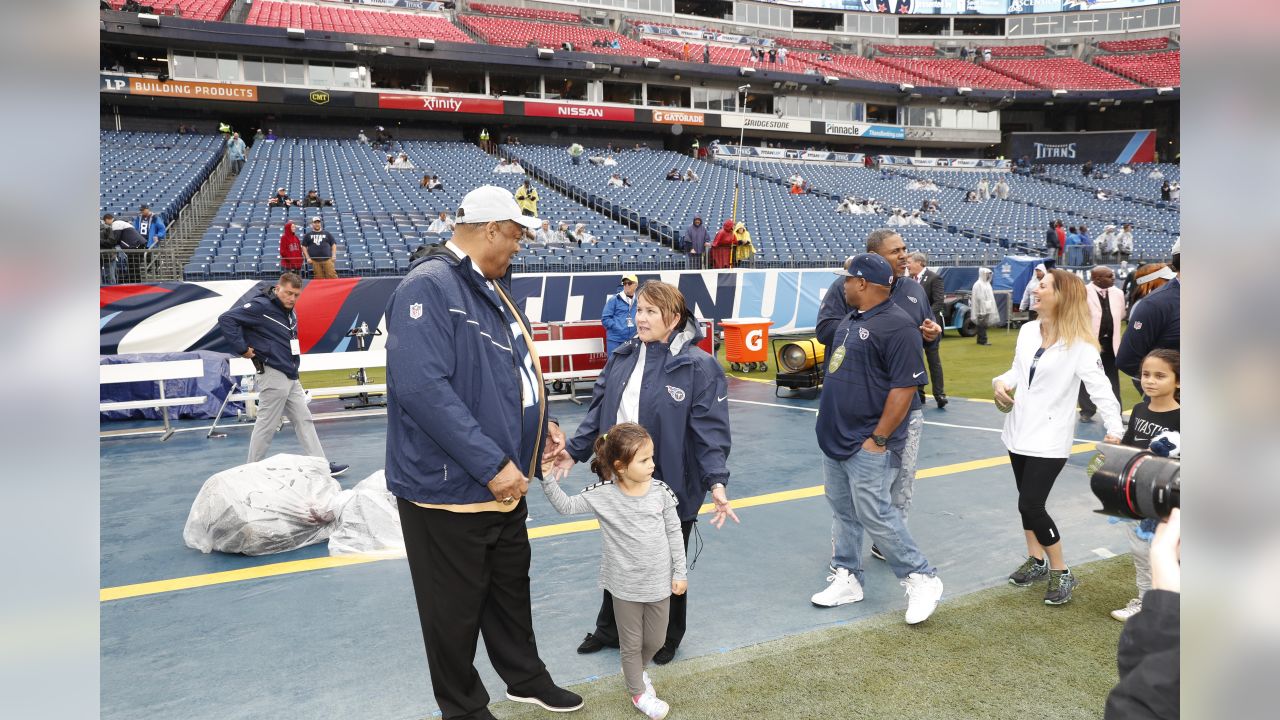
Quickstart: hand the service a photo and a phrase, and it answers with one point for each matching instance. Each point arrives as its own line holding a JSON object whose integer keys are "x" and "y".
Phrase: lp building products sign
{"x": 193, "y": 90}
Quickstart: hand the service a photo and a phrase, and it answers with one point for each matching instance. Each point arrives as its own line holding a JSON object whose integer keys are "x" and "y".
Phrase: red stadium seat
{"x": 860, "y": 68}
{"x": 1007, "y": 51}
{"x": 803, "y": 44}
{"x": 1156, "y": 69}
{"x": 908, "y": 50}
{"x": 1156, "y": 43}
{"x": 956, "y": 73}
{"x": 733, "y": 56}
{"x": 1060, "y": 74}
{"x": 518, "y": 33}
{"x": 192, "y": 9}
{"x": 363, "y": 22}
{"x": 520, "y": 12}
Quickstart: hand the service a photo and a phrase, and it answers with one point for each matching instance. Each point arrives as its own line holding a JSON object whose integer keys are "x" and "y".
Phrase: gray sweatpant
{"x": 278, "y": 396}
{"x": 642, "y": 629}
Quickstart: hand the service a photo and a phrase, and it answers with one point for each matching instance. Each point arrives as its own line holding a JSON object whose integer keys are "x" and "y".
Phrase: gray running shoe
{"x": 1029, "y": 572}
{"x": 1061, "y": 582}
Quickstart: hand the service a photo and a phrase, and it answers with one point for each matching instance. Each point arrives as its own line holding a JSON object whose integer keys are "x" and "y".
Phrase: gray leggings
{"x": 642, "y": 629}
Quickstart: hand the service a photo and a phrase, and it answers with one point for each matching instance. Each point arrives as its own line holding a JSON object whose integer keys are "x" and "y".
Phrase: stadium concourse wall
{"x": 183, "y": 316}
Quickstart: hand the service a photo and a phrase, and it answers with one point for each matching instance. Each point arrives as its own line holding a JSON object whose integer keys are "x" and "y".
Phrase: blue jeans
{"x": 904, "y": 481}
{"x": 858, "y": 491}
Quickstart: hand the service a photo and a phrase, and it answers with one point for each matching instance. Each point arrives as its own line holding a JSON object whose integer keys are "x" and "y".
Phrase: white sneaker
{"x": 1133, "y": 608}
{"x": 844, "y": 588}
{"x": 651, "y": 706}
{"x": 648, "y": 684}
{"x": 923, "y": 593}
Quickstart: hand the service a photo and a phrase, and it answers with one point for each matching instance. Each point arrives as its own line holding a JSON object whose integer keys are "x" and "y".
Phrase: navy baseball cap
{"x": 870, "y": 267}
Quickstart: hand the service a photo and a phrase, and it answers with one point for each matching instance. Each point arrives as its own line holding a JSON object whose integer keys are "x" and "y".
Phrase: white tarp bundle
{"x": 368, "y": 521}
{"x": 278, "y": 504}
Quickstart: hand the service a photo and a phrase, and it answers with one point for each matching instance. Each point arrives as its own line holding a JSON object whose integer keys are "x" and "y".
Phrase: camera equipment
{"x": 361, "y": 376}
{"x": 1135, "y": 483}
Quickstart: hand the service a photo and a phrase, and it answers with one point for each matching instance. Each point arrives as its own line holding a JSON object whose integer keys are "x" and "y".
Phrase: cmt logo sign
{"x": 319, "y": 97}
{"x": 1065, "y": 152}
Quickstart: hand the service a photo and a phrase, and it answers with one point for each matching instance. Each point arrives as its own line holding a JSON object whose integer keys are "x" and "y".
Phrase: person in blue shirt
{"x": 873, "y": 369}
{"x": 149, "y": 225}
{"x": 619, "y": 315}
{"x": 1156, "y": 322}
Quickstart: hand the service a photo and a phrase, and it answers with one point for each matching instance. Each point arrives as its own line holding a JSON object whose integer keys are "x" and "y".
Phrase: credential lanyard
{"x": 537, "y": 370}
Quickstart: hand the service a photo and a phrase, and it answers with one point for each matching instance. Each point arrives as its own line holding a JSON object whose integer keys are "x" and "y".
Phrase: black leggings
{"x": 1034, "y": 477}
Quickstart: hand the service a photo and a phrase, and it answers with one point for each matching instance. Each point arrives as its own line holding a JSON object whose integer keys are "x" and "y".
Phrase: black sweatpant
{"x": 1034, "y": 477}
{"x": 1087, "y": 406}
{"x": 471, "y": 577}
{"x": 607, "y": 628}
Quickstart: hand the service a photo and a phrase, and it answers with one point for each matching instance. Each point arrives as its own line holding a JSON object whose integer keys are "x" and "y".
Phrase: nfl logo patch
{"x": 1137, "y": 325}
{"x": 415, "y": 311}
{"x": 863, "y": 334}
{"x": 676, "y": 393}
{"x": 913, "y": 299}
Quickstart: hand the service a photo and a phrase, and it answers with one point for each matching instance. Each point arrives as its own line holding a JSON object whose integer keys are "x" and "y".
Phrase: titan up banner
{"x": 180, "y": 317}
{"x": 1116, "y": 146}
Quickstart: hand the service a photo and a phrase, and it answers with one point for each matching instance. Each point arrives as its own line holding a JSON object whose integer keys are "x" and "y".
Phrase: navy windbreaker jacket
{"x": 263, "y": 324}
{"x": 683, "y": 405}
{"x": 454, "y": 397}
{"x": 834, "y": 308}
{"x": 619, "y": 320}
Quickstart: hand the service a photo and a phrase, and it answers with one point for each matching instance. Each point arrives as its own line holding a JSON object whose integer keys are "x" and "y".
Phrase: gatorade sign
{"x": 754, "y": 340}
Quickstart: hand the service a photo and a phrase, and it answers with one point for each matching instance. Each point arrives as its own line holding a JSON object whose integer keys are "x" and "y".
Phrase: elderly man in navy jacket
{"x": 265, "y": 330}
{"x": 466, "y": 429}
{"x": 911, "y": 298}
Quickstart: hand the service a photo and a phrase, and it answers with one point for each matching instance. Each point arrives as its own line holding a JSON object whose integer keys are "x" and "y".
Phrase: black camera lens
{"x": 1134, "y": 483}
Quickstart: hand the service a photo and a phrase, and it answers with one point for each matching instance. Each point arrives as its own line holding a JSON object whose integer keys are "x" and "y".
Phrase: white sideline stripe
{"x": 1103, "y": 553}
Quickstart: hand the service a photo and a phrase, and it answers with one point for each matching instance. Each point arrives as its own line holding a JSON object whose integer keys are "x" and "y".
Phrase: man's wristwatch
{"x": 880, "y": 440}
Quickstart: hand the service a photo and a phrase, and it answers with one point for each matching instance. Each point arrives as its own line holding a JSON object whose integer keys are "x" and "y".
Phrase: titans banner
{"x": 179, "y": 317}
{"x": 1119, "y": 146}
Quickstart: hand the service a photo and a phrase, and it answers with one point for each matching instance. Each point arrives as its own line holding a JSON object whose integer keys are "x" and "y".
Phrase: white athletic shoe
{"x": 1133, "y": 608}
{"x": 923, "y": 593}
{"x": 648, "y": 684}
{"x": 844, "y": 588}
{"x": 651, "y": 706}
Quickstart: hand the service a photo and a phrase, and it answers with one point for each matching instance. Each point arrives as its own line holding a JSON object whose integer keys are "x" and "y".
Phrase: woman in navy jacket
{"x": 664, "y": 381}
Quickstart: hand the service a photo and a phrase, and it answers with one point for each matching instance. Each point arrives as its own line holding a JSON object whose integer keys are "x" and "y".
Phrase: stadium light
{"x": 1059, "y": 93}
{"x": 1163, "y": 90}
{"x": 906, "y": 87}
{"x": 546, "y": 53}
{"x": 295, "y": 33}
{"x": 737, "y": 180}
{"x": 746, "y": 71}
{"x": 830, "y": 79}
{"x": 426, "y": 44}
{"x": 963, "y": 90}
{"x": 652, "y": 62}
{"x": 148, "y": 20}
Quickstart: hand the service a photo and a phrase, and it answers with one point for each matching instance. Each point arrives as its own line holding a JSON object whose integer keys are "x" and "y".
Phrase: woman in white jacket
{"x": 1054, "y": 355}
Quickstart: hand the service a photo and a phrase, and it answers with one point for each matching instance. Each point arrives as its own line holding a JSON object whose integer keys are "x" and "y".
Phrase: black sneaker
{"x": 1029, "y": 572}
{"x": 875, "y": 552}
{"x": 941, "y": 400}
{"x": 553, "y": 698}
{"x": 1086, "y": 417}
{"x": 1061, "y": 582}
{"x": 591, "y": 644}
{"x": 665, "y": 653}
{"x": 336, "y": 469}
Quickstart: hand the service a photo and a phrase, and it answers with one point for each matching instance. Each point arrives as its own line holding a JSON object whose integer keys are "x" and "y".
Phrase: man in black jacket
{"x": 934, "y": 287}
{"x": 265, "y": 330}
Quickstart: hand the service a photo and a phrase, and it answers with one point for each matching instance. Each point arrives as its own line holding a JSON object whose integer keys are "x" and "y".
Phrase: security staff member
{"x": 466, "y": 429}
{"x": 619, "y": 315}
{"x": 265, "y": 330}
{"x": 871, "y": 379}
{"x": 527, "y": 199}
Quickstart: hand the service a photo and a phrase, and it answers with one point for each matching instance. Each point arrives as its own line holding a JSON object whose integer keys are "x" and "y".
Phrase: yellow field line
{"x": 544, "y": 531}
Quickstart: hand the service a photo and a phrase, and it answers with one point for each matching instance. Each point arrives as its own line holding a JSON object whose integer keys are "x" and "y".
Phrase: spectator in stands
{"x": 930, "y": 205}
{"x": 271, "y": 135}
{"x": 1087, "y": 169}
{"x": 1106, "y": 309}
{"x": 1023, "y": 165}
{"x": 1175, "y": 192}
{"x": 615, "y": 180}
{"x": 149, "y": 225}
{"x": 402, "y": 162}
{"x": 722, "y": 247}
{"x": 673, "y": 174}
{"x": 290, "y": 250}
{"x": 971, "y": 197}
{"x": 690, "y": 175}
{"x": 109, "y": 248}
{"x": 435, "y": 183}
{"x": 615, "y": 44}
{"x": 1125, "y": 170}
{"x": 1030, "y": 301}
{"x": 915, "y": 219}
{"x": 235, "y": 153}
{"x": 258, "y": 136}
{"x": 982, "y": 304}
{"x": 782, "y": 54}
{"x": 619, "y": 315}
{"x": 575, "y": 153}
{"x": 1124, "y": 244}
{"x": 382, "y": 138}
{"x": 527, "y": 198}
{"x": 1105, "y": 246}
{"x": 986, "y": 55}
{"x": 743, "y": 250}
{"x": 897, "y": 219}
{"x": 964, "y": 52}
{"x": 320, "y": 250}
{"x": 281, "y": 199}
{"x": 1165, "y": 192}
{"x": 545, "y": 235}
{"x": 694, "y": 242}
{"x": 706, "y": 52}
{"x": 582, "y": 236}
{"x": 1155, "y": 174}
{"x": 1002, "y": 189}
{"x": 1061, "y": 232}
{"x": 265, "y": 330}
{"x": 848, "y": 205}
{"x": 1086, "y": 242}
{"x": 442, "y": 224}
{"x": 1074, "y": 254}
{"x": 984, "y": 190}
{"x": 563, "y": 236}
{"x": 684, "y": 51}
{"x": 364, "y": 139}
{"x": 1155, "y": 322}
{"x": 773, "y": 55}
{"x": 755, "y": 53}
{"x": 313, "y": 199}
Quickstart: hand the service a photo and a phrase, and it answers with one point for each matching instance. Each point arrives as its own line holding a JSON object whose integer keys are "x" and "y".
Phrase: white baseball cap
{"x": 490, "y": 203}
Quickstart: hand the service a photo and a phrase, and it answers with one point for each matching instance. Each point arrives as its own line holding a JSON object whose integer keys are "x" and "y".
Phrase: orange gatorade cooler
{"x": 746, "y": 343}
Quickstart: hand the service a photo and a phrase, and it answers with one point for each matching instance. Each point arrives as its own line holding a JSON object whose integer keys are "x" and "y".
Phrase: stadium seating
{"x": 956, "y": 73}
{"x": 520, "y": 12}
{"x": 860, "y": 68}
{"x": 800, "y": 44}
{"x": 908, "y": 50}
{"x": 192, "y": 9}
{"x": 1107, "y": 177}
{"x": 161, "y": 169}
{"x": 1156, "y": 43}
{"x": 1060, "y": 74}
{"x": 1016, "y": 51}
{"x": 359, "y": 21}
{"x": 731, "y": 55}
{"x": 1156, "y": 69}
{"x": 518, "y": 33}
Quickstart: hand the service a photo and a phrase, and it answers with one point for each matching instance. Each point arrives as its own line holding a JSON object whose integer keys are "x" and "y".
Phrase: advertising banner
{"x": 114, "y": 84}
{"x": 942, "y": 162}
{"x": 321, "y": 98}
{"x": 853, "y": 129}
{"x": 570, "y": 111}
{"x": 193, "y": 90}
{"x": 679, "y": 117}
{"x": 440, "y": 104}
{"x": 784, "y": 154}
{"x": 765, "y": 122}
{"x": 1120, "y": 146}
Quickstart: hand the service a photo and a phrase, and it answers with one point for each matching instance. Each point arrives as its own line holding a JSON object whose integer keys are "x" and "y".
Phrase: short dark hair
{"x": 109, "y": 216}
{"x": 290, "y": 279}
{"x": 877, "y": 238}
